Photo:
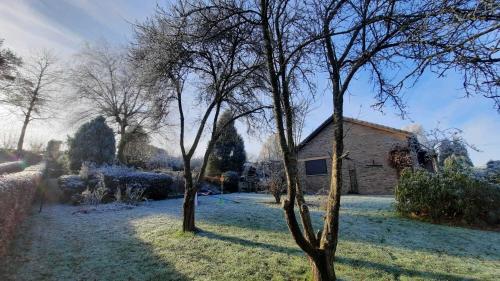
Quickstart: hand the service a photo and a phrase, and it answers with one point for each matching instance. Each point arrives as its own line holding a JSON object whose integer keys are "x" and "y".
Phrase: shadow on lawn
{"x": 363, "y": 225}
{"x": 59, "y": 245}
{"x": 391, "y": 269}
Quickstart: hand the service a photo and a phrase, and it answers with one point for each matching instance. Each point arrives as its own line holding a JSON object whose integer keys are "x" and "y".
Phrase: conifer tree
{"x": 94, "y": 142}
{"x": 229, "y": 150}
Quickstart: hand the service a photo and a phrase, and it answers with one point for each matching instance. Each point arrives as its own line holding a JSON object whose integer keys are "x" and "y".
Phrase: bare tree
{"x": 270, "y": 150}
{"x": 109, "y": 85}
{"x": 442, "y": 143}
{"x": 411, "y": 37}
{"x": 32, "y": 92}
{"x": 184, "y": 44}
{"x": 394, "y": 41}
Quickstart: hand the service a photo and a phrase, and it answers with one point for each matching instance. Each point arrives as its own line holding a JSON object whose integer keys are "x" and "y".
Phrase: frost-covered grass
{"x": 241, "y": 241}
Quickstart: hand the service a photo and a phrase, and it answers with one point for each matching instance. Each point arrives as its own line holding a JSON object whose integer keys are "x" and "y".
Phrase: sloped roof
{"x": 354, "y": 121}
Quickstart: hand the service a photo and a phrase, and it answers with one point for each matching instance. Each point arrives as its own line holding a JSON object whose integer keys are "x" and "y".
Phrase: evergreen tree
{"x": 229, "y": 150}
{"x": 137, "y": 149}
{"x": 453, "y": 147}
{"x": 94, "y": 142}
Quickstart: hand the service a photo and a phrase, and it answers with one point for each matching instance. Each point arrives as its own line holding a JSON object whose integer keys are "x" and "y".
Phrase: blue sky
{"x": 64, "y": 25}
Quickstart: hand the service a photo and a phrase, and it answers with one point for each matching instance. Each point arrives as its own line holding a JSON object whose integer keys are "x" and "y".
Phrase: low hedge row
{"x": 17, "y": 191}
{"x": 448, "y": 196}
{"x": 157, "y": 186}
{"x": 12, "y": 167}
{"x": 70, "y": 185}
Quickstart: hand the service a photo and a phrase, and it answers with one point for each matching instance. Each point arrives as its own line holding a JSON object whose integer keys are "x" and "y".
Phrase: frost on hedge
{"x": 12, "y": 167}
{"x": 490, "y": 173}
{"x": 449, "y": 195}
{"x": 117, "y": 179}
{"x": 70, "y": 185}
{"x": 17, "y": 191}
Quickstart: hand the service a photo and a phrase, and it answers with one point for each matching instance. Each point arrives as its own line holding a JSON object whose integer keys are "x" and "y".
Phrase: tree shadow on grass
{"x": 250, "y": 243}
{"x": 59, "y": 245}
{"x": 393, "y": 270}
{"x": 359, "y": 223}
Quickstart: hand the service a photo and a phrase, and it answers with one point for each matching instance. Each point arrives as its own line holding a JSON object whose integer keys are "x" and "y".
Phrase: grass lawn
{"x": 241, "y": 241}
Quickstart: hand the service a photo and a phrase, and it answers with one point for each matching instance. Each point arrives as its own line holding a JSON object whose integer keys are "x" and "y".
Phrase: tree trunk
{"x": 189, "y": 210}
{"x": 20, "y": 143}
{"x": 435, "y": 164}
{"x": 188, "y": 206}
{"x": 277, "y": 196}
{"x": 330, "y": 233}
{"x": 120, "y": 154}
{"x": 322, "y": 268}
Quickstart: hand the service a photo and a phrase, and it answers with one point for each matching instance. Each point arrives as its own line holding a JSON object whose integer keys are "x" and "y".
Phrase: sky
{"x": 63, "y": 26}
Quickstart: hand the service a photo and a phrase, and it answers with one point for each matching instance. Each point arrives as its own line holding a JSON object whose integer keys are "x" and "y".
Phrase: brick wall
{"x": 368, "y": 148}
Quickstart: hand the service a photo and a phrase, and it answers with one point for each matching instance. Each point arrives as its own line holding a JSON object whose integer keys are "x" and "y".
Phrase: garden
{"x": 146, "y": 176}
{"x": 241, "y": 237}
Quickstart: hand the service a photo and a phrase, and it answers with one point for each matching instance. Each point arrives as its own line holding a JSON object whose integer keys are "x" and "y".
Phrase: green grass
{"x": 241, "y": 241}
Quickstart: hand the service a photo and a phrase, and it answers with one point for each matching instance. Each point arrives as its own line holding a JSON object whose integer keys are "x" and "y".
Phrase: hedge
{"x": 12, "y": 167}
{"x": 70, "y": 185}
{"x": 448, "y": 196}
{"x": 157, "y": 186}
{"x": 17, "y": 191}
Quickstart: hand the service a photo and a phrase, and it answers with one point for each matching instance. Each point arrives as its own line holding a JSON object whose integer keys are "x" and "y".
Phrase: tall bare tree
{"x": 108, "y": 84}
{"x": 395, "y": 41}
{"x": 32, "y": 91}
{"x": 184, "y": 43}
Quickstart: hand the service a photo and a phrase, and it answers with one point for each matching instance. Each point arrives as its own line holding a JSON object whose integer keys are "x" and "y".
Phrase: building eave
{"x": 328, "y": 121}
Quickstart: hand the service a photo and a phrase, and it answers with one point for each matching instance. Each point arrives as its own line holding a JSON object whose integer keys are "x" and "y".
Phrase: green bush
{"x": 93, "y": 142}
{"x": 449, "y": 195}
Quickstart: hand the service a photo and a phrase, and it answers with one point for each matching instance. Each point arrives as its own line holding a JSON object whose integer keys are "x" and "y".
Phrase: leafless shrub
{"x": 95, "y": 196}
{"x": 134, "y": 193}
{"x": 400, "y": 157}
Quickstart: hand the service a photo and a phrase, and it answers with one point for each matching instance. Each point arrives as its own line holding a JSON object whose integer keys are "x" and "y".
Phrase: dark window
{"x": 316, "y": 167}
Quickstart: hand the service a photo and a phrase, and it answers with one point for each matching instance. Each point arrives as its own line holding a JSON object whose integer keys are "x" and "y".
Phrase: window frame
{"x": 320, "y": 173}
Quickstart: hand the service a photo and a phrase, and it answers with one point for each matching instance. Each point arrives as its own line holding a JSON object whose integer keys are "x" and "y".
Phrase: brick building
{"x": 366, "y": 169}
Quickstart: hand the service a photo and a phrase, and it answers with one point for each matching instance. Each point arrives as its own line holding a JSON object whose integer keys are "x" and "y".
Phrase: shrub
{"x": 114, "y": 182}
{"x": 450, "y": 195}
{"x": 12, "y": 167}
{"x": 492, "y": 172}
{"x": 230, "y": 180}
{"x": 96, "y": 195}
{"x": 94, "y": 142}
{"x": 156, "y": 186}
{"x": 57, "y": 162}
{"x": 275, "y": 180}
{"x": 16, "y": 195}
{"x": 70, "y": 185}
{"x": 134, "y": 193}
{"x": 458, "y": 164}
{"x": 400, "y": 157}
